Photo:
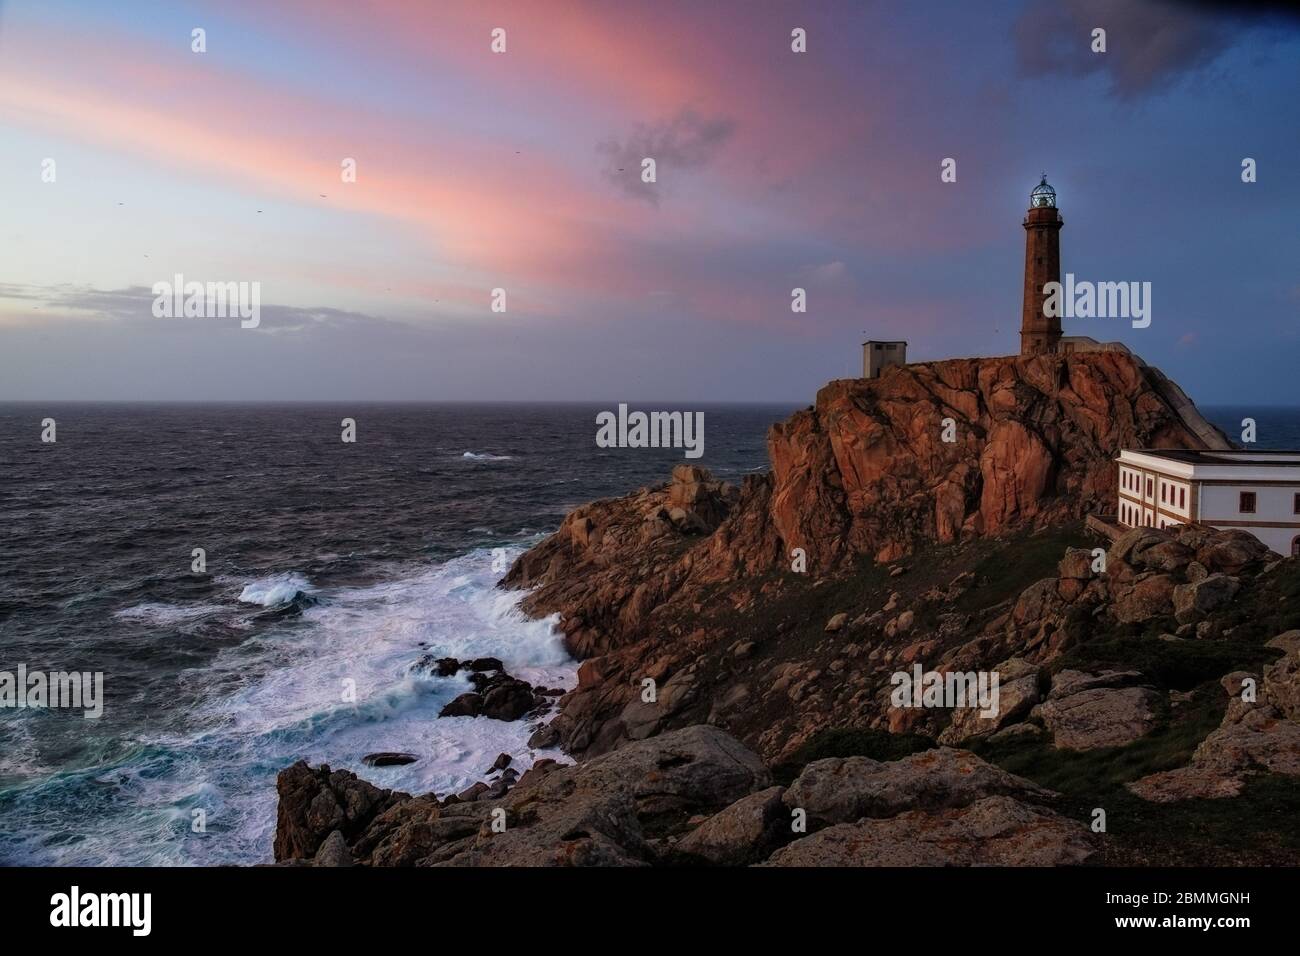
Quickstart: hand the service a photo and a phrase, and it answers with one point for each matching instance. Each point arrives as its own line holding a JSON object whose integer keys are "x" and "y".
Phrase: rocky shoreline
{"x": 734, "y": 701}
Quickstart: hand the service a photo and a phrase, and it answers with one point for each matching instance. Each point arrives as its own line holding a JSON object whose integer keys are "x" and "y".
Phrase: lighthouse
{"x": 1039, "y": 333}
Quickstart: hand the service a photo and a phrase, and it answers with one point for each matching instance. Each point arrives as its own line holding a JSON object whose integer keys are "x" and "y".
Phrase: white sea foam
{"x": 475, "y": 456}
{"x": 275, "y": 589}
{"x": 293, "y": 706}
{"x": 278, "y": 697}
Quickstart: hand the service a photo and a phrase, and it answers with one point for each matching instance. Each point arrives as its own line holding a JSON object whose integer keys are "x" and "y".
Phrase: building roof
{"x": 885, "y": 342}
{"x": 1264, "y": 457}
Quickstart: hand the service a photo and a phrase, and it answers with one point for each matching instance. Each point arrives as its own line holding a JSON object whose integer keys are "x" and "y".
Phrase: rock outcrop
{"x": 1260, "y": 733}
{"x": 867, "y": 473}
{"x": 691, "y": 796}
{"x": 870, "y": 469}
{"x": 996, "y": 831}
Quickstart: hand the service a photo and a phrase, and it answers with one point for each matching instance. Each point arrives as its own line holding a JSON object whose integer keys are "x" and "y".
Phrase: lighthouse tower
{"x": 1040, "y": 334}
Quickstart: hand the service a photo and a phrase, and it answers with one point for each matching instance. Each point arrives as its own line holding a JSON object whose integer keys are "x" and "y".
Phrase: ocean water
{"x": 326, "y": 562}
{"x": 1275, "y": 426}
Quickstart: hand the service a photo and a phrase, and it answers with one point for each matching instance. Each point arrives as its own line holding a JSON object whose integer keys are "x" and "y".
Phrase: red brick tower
{"x": 1039, "y": 333}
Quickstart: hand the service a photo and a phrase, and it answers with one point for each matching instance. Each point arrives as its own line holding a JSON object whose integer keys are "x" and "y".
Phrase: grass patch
{"x": 1180, "y": 665}
{"x": 1013, "y": 564}
{"x": 1092, "y": 772}
{"x": 1257, "y": 827}
{"x": 876, "y": 744}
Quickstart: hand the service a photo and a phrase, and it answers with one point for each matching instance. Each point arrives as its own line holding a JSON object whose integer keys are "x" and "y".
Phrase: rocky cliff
{"x": 1164, "y": 688}
{"x": 733, "y": 709}
{"x": 942, "y": 452}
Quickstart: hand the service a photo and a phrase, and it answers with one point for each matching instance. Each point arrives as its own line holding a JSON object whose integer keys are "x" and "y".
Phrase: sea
{"x": 329, "y": 570}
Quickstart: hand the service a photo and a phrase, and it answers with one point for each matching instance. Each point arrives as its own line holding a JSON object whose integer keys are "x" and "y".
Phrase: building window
{"x": 1295, "y": 546}
{"x": 1296, "y": 504}
{"x": 1182, "y": 497}
{"x": 1247, "y": 503}
{"x": 1149, "y": 490}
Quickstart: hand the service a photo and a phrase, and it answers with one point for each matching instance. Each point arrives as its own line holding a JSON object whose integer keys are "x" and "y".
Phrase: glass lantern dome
{"x": 1043, "y": 194}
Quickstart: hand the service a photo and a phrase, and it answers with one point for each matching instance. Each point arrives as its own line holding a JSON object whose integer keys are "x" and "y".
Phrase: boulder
{"x": 592, "y": 813}
{"x": 1232, "y": 683}
{"x": 388, "y": 759}
{"x": 1193, "y": 601}
{"x": 1253, "y": 738}
{"x": 741, "y": 833}
{"x": 1076, "y": 565}
{"x": 1147, "y": 597}
{"x": 1231, "y": 551}
{"x": 842, "y": 790}
{"x": 1087, "y": 711}
{"x": 466, "y": 705}
{"x": 333, "y": 852}
{"x": 1282, "y": 686}
{"x": 508, "y": 700}
{"x": 993, "y": 831}
{"x": 1020, "y": 687}
{"x": 315, "y": 801}
{"x": 1288, "y": 642}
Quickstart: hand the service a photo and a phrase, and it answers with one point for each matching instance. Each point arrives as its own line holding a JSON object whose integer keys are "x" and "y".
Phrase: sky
{"x": 521, "y": 170}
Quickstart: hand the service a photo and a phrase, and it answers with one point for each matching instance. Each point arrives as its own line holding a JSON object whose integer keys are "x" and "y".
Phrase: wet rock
{"x": 388, "y": 759}
{"x": 314, "y": 801}
{"x": 466, "y": 705}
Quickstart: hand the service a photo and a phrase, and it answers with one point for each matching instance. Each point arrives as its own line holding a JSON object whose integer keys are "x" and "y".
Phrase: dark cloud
{"x": 135, "y": 303}
{"x": 687, "y": 141}
{"x": 1150, "y": 44}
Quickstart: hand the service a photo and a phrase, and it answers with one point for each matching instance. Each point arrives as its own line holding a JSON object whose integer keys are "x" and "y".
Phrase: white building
{"x": 1258, "y": 491}
{"x": 878, "y": 356}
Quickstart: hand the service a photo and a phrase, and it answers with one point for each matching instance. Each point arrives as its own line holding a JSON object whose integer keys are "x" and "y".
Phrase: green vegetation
{"x": 1010, "y": 565}
{"x": 876, "y": 744}
{"x": 1177, "y": 665}
{"x": 1093, "y": 772}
